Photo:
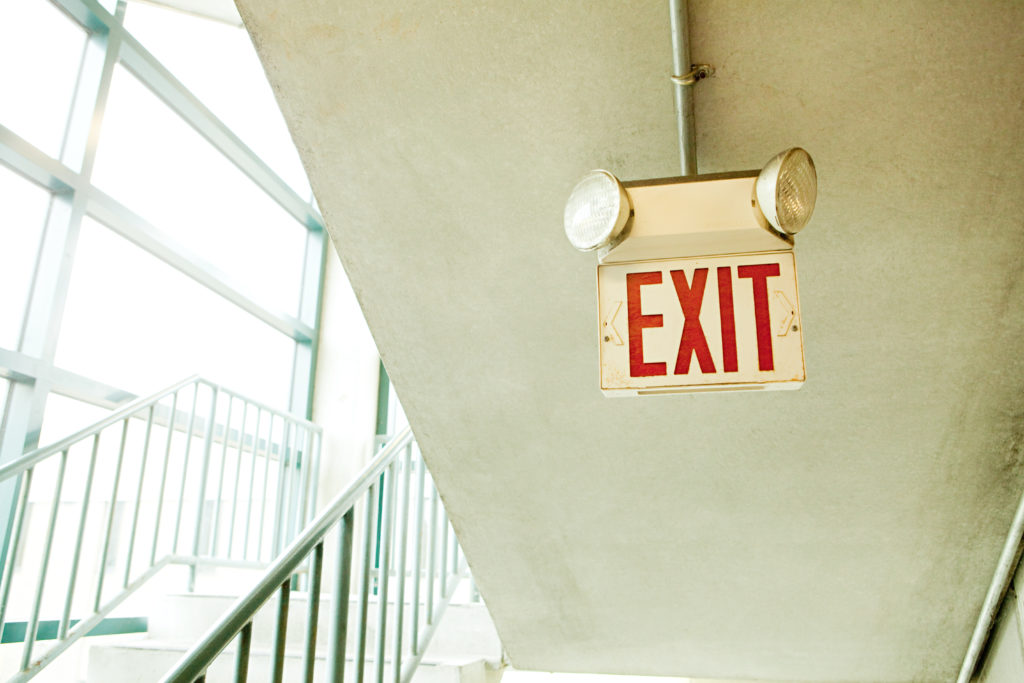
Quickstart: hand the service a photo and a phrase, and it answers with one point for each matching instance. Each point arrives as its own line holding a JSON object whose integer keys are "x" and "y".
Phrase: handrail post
{"x": 417, "y": 557}
{"x": 33, "y": 623}
{"x": 339, "y": 606}
{"x": 282, "y": 457}
{"x": 207, "y": 447}
{"x": 252, "y": 479}
{"x": 366, "y": 577}
{"x": 184, "y": 466}
{"x": 384, "y": 567}
{"x": 7, "y": 576}
{"x": 401, "y": 546}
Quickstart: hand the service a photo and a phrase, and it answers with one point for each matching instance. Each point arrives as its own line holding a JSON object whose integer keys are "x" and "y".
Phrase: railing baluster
{"x": 287, "y": 469}
{"x": 266, "y": 478}
{"x": 280, "y": 631}
{"x": 288, "y": 496}
{"x": 432, "y": 553}
{"x": 282, "y": 458}
{"x": 313, "y": 612}
{"x": 339, "y": 606}
{"x": 220, "y": 479}
{"x": 238, "y": 474}
{"x": 12, "y": 551}
{"x": 184, "y": 466}
{"x": 454, "y": 545}
{"x": 306, "y": 464}
{"x": 242, "y": 654}
{"x": 316, "y": 474}
{"x": 366, "y": 577}
{"x": 400, "y": 546}
{"x": 163, "y": 477}
{"x": 86, "y": 496}
{"x": 288, "y": 523}
{"x": 110, "y": 515}
{"x": 417, "y": 556}
{"x": 444, "y": 555}
{"x": 33, "y": 624}
{"x": 252, "y": 480}
{"x": 384, "y": 570}
{"x": 296, "y": 477}
{"x": 201, "y": 495}
{"x": 138, "y": 496}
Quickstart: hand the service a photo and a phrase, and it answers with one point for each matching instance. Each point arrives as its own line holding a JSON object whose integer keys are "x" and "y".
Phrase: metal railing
{"x": 234, "y": 492}
{"x": 390, "y": 557}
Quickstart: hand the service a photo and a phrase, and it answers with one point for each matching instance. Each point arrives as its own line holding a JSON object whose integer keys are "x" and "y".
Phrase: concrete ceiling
{"x": 846, "y": 531}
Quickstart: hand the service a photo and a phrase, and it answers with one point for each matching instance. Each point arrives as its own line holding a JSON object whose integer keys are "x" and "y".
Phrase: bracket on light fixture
{"x": 698, "y": 72}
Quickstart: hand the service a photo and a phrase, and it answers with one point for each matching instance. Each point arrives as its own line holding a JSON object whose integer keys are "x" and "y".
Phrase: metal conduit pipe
{"x": 1008, "y": 560}
{"x": 684, "y": 93}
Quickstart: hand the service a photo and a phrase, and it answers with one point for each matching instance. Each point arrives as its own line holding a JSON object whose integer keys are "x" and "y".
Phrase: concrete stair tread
{"x": 146, "y": 660}
{"x": 182, "y": 646}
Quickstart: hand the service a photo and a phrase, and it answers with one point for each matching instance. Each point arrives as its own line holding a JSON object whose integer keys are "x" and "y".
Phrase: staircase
{"x": 465, "y": 649}
{"x": 104, "y": 543}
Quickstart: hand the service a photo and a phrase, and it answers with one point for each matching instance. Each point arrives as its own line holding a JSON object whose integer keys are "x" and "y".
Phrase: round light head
{"x": 596, "y": 212}
{"x": 786, "y": 189}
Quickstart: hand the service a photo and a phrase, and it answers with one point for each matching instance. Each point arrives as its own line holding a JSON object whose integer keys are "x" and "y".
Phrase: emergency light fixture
{"x": 726, "y": 213}
{"x": 786, "y": 189}
{"x": 596, "y": 212}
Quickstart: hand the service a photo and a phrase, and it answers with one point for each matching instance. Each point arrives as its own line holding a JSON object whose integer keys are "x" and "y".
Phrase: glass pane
{"x": 218, "y": 63}
{"x": 64, "y": 416}
{"x": 396, "y": 414}
{"x": 23, "y": 207}
{"x": 40, "y": 51}
{"x": 161, "y": 168}
{"x": 134, "y": 322}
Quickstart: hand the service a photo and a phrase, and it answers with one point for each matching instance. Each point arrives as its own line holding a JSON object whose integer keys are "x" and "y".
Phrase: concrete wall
{"x": 345, "y": 400}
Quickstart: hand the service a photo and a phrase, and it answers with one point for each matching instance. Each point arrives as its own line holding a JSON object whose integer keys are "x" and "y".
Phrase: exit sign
{"x": 700, "y": 324}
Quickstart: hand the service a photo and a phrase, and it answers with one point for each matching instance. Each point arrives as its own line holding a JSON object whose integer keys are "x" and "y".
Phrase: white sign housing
{"x": 700, "y": 324}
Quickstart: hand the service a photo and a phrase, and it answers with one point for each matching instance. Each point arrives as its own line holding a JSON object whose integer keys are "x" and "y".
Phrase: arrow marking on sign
{"x": 786, "y": 310}
{"x": 610, "y": 333}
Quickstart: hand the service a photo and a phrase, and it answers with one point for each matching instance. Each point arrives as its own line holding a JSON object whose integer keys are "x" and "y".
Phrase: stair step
{"x": 146, "y": 661}
{"x": 465, "y": 630}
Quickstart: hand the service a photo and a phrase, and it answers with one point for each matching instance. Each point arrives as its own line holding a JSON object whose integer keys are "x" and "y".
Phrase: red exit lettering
{"x": 692, "y": 342}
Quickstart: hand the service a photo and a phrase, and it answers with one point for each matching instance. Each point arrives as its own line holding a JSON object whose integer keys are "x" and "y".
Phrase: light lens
{"x": 786, "y": 189}
{"x": 596, "y": 212}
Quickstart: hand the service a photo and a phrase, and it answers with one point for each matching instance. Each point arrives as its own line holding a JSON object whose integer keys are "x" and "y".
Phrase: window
{"x": 124, "y": 303}
{"x": 40, "y": 49}
{"x": 119, "y": 317}
{"x": 221, "y": 68}
{"x": 5, "y": 387}
{"x": 158, "y": 166}
{"x": 139, "y": 257}
{"x": 23, "y": 207}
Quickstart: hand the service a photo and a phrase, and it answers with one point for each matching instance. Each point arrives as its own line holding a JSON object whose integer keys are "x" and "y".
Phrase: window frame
{"x": 30, "y": 369}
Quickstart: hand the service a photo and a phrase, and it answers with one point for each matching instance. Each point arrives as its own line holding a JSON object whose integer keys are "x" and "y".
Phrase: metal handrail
{"x": 376, "y": 484}
{"x": 296, "y": 448}
{"x": 32, "y": 458}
